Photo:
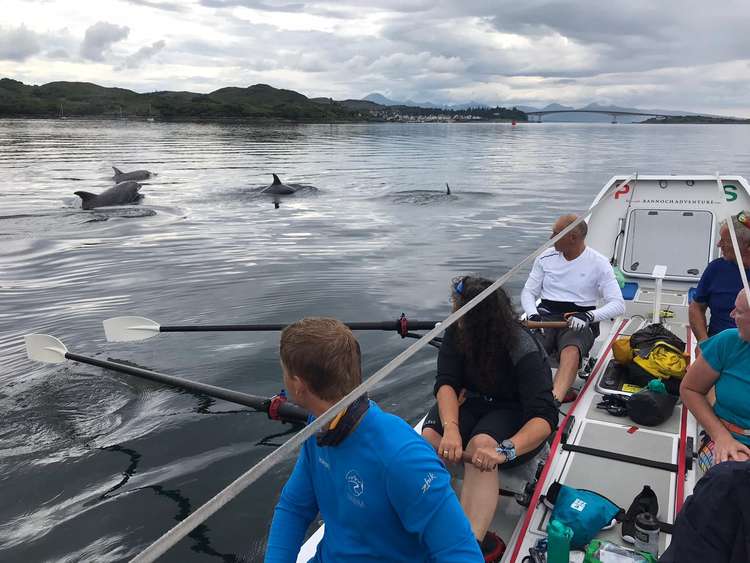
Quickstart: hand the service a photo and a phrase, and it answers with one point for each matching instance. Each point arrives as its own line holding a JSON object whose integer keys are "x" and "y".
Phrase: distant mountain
{"x": 383, "y": 101}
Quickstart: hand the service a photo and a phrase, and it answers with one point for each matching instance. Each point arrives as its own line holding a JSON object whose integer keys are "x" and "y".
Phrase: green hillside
{"x": 82, "y": 99}
{"x": 257, "y": 102}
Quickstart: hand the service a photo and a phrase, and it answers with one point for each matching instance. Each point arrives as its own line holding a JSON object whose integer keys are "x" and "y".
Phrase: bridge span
{"x": 612, "y": 113}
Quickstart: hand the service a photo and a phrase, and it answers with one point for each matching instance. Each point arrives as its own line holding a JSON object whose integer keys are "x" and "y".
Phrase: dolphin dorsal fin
{"x": 275, "y": 180}
{"x": 85, "y": 195}
{"x": 117, "y": 170}
{"x": 448, "y": 189}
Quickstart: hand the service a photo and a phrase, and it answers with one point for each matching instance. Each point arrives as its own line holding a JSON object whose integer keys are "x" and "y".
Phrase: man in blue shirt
{"x": 379, "y": 487}
{"x": 720, "y": 282}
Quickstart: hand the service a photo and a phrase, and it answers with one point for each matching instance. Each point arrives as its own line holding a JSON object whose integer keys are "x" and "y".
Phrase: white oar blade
{"x": 128, "y": 329}
{"x": 45, "y": 348}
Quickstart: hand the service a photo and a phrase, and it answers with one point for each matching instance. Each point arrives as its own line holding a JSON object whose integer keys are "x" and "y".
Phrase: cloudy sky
{"x": 666, "y": 54}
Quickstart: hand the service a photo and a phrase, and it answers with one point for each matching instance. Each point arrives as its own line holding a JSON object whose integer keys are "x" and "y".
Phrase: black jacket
{"x": 714, "y": 524}
{"x": 524, "y": 381}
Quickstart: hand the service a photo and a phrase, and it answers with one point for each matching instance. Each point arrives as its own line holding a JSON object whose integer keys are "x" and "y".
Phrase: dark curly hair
{"x": 488, "y": 332}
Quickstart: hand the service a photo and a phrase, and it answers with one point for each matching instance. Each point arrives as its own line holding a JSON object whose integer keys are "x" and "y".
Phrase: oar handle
{"x": 386, "y": 325}
{"x": 286, "y": 411}
{"x": 545, "y": 324}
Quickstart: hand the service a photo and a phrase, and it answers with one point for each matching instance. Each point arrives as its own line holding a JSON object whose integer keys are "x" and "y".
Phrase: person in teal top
{"x": 724, "y": 363}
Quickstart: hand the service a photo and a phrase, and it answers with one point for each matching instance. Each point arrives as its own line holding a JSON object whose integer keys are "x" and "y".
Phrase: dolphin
{"x": 278, "y": 188}
{"x": 135, "y": 175}
{"x": 448, "y": 188}
{"x": 122, "y": 193}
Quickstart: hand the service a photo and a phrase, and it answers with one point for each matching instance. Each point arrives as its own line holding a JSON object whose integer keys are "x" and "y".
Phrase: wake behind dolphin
{"x": 135, "y": 175}
{"x": 123, "y": 193}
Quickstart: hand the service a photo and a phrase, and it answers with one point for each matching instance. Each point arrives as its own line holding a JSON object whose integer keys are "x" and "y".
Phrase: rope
{"x": 161, "y": 545}
{"x": 732, "y": 234}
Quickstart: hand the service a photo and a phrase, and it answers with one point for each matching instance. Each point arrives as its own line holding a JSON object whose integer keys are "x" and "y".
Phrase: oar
{"x": 50, "y": 350}
{"x": 127, "y": 329}
{"x": 545, "y": 324}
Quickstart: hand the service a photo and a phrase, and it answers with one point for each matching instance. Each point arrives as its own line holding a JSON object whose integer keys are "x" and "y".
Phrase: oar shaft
{"x": 287, "y": 411}
{"x": 545, "y": 324}
{"x": 387, "y": 325}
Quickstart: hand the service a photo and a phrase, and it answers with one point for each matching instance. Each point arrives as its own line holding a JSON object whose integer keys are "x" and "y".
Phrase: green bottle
{"x": 558, "y": 542}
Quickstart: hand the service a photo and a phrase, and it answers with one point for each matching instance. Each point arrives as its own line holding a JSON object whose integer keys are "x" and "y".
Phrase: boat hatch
{"x": 687, "y": 234}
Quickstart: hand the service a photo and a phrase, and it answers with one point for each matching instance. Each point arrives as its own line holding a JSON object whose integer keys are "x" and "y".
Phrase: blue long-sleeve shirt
{"x": 383, "y": 495}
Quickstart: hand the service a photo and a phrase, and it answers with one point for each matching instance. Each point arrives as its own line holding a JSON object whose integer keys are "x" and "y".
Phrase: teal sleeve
{"x": 419, "y": 489}
{"x": 296, "y": 509}
{"x": 714, "y": 350}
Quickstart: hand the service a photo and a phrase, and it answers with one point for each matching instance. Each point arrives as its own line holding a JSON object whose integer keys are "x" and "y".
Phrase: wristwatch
{"x": 507, "y": 449}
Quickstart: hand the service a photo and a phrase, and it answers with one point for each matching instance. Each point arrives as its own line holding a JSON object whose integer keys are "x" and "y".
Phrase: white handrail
{"x": 170, "y": 538}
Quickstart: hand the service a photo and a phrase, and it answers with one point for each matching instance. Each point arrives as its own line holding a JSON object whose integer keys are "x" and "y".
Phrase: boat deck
{"x": 654, "y": 452}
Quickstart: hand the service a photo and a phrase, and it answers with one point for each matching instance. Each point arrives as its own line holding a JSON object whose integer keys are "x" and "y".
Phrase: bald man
{"x": 571, "y": 280}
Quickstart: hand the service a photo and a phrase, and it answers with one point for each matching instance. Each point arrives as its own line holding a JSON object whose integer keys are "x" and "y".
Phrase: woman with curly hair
{"x": 494, "y": 400}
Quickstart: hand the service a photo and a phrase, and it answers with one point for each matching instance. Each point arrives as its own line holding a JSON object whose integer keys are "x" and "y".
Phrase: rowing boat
{"x": 662, "y": 232}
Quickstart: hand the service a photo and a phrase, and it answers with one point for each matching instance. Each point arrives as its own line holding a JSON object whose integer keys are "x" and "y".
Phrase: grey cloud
{"x": 168, "y": 6}
{"x": 60, "y": 54}
{"x": 18, "y": 44}
{"x": 267, "y": 6}
{"x": 141, "y": 55}
{"x": 323, "y": 7}
{"x": 100, "y": 37}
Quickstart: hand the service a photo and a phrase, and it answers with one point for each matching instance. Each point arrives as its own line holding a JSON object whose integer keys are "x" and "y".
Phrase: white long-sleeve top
{"x": 585, "y": 281}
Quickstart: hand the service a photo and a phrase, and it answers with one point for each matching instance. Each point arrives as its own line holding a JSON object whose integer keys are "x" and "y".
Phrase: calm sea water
{"x": 95, "y": 465}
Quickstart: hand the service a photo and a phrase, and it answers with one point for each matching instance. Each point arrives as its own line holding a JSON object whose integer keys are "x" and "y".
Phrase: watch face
{"x": 507, "y": 444}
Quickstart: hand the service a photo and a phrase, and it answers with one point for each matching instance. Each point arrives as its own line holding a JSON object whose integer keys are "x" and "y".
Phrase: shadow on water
{"x": 202, "y": 542}
{"x": 200, "y": 535}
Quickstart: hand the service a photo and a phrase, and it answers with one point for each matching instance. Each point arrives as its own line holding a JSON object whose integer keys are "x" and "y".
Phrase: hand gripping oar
{"x": 50, "y": 350}
{"x": 126, "y": 329}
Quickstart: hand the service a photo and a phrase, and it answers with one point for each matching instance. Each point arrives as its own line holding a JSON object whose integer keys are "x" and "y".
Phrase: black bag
{"x": 649, "y": 408}
{"x": 642, "y": 340}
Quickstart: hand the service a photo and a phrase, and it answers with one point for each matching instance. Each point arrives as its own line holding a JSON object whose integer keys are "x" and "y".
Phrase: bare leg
{"x": 479, "y": 494}
{"x": 570, "y": 358}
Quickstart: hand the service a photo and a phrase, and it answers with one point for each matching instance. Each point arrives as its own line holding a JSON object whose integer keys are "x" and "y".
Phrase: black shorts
{"x": 478, "y": 416}
{"x": 555, "y": 339}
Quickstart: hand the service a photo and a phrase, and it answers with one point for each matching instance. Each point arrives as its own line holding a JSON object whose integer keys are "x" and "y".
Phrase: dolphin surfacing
{"x": 278, "y": 188}
{"x": 135, "y": 175}
{"x": 122, "y": 193}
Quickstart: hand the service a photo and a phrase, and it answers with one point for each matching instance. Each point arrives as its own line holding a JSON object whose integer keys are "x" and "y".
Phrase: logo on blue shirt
{"x": 355, "y": 483}
{"x": 427, "y": 482}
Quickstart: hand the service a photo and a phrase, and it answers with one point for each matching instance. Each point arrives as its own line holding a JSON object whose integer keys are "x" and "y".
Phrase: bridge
{"x": 612, "y": 113}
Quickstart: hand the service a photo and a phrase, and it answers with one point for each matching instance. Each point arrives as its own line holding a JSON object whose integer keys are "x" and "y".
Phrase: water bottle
{"x": 558, "y": 542}
{"x": 647, "y": 533}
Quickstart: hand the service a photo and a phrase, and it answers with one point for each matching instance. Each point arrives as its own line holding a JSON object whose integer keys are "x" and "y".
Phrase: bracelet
{"x": 450, "y": 422}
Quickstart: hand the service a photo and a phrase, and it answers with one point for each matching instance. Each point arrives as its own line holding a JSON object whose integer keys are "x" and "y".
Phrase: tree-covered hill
{"x": 257, "y": 102}
{"x": 83, "y": 99}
